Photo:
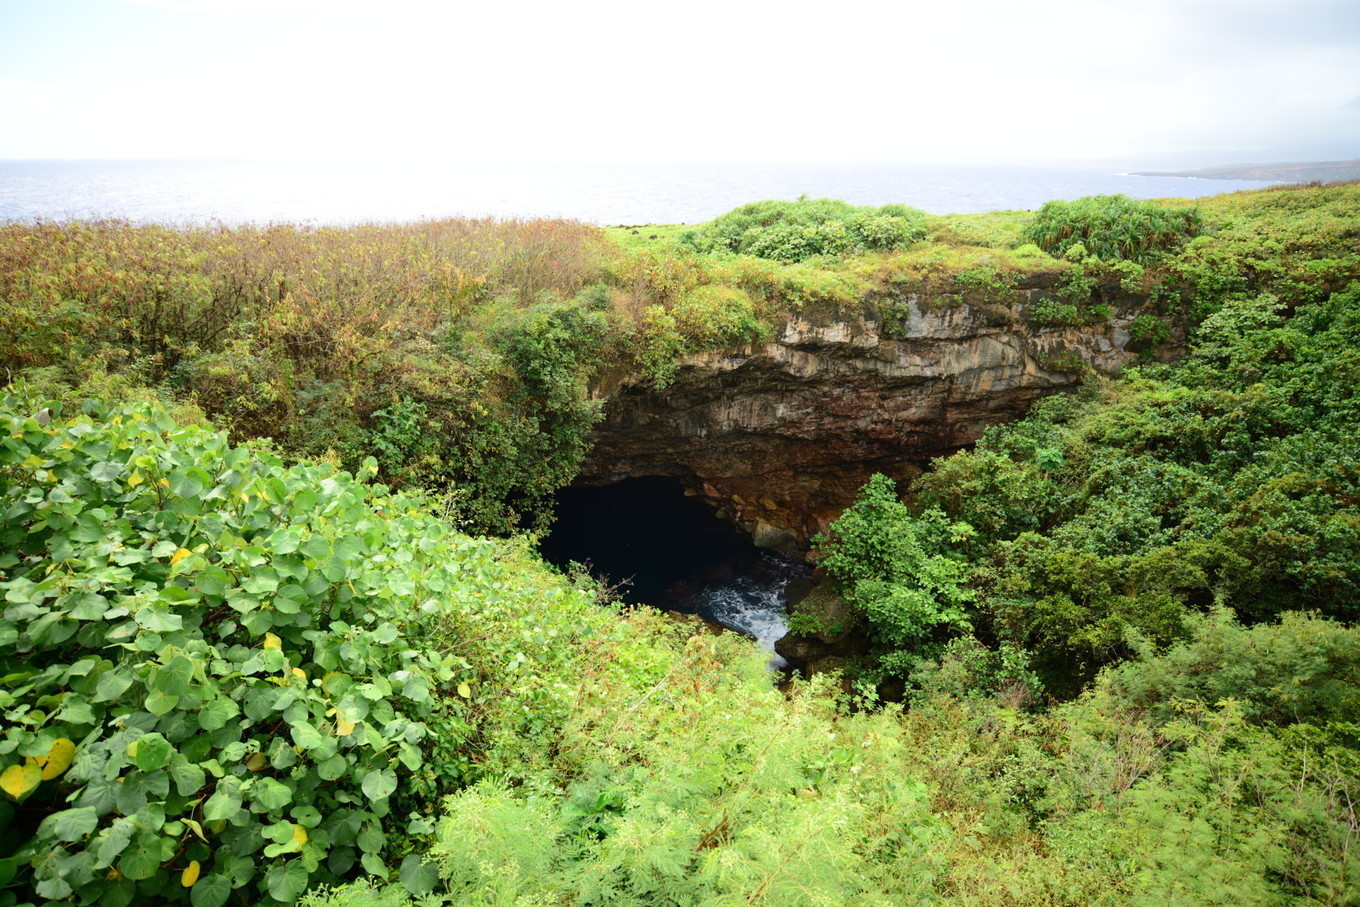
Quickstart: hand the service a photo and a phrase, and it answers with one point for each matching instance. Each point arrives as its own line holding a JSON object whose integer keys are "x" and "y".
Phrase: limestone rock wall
{"x": 779, "y": 435}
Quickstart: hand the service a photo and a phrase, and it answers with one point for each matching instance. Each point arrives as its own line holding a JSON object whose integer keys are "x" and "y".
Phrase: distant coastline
{"x": 1326, "y": 172}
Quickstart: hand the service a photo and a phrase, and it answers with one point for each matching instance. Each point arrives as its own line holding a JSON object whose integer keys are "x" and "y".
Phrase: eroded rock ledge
{"x": 779, "y": 435}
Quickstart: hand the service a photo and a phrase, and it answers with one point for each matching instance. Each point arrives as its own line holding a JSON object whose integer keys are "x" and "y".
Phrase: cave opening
{"x": 668, "y": 550}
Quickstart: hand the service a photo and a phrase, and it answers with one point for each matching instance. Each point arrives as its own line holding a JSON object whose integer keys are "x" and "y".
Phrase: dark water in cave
{"x": 669, "y": 551}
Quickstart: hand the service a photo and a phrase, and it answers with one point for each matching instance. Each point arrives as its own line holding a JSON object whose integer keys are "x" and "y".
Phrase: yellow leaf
{"x": 165, "y": 482}
{"x": 58, "y": 758}
{"x": 135, "y": 479}
{"x": 298, "y": 672}
{"x": 180, "y": 554}
{"x": 272, "y": 642}
{"x": 464, "y": 690}
{"x": 343, "y": 728}
{"x": 190, "y": 874}
{"x": 299, "y": 837}
{"x": 18, "y": 780}
{"x": 256, "y": 761}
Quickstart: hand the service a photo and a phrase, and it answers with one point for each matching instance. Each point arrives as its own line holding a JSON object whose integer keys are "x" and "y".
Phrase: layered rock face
{"x": 779, "y": 435}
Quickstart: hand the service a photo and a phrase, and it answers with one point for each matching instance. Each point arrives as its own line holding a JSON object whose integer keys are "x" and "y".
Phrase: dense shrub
{"x": 1301, "y": 669}
{"x": 902, "y": 572}
{"x": 333, "y": 340}
{"x": 1112, "y": 227}
{"x": 798, "y": 230}
{"x": 1229, "y": 477}
{"x": 227, "y": 674}
{"x": 668, "y": 795}
{"x": 207, "y": 672}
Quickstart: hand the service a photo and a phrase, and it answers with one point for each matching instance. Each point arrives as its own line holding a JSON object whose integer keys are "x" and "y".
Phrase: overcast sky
{"x": 846, "y": 80}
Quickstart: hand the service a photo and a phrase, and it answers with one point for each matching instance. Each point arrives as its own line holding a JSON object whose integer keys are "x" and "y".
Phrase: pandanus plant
{"x": 1113, "y": 227}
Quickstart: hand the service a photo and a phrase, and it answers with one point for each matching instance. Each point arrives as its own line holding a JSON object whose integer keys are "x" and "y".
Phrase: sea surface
{"x": 331, "y": 192}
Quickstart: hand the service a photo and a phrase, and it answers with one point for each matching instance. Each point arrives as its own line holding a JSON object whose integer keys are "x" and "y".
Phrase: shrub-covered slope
{"x": 237, "y": 676}
{"x": 259, "y": 676}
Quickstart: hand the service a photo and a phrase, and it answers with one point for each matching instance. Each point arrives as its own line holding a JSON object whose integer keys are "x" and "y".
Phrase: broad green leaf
{"x": 153, "y": 752}
{"x": 174, "y": 677}
{"x": 374, "y": 866}
{"x": 316, "y": 547}
{"x": 75, "y": 710}
{"x": 378, "y": 785}
{"x": 307, "y": 737}
{"x": 157, "y": 619}
{"x": 212, "y": 580}
{"x": 215, "y": 713}
{"x": 113, "y": 683}
{"x": 260, "y": 583}
{"x": 135, "y": 791}
{"x": 70, "y": 824}
{"x": 371, "y": 838}
{"x": 117, "y": 892}
{"x": 89, "y": 606}
{"x": 417, "y": 876}
{"x": 307, "y": 816}
{"x": 112, "y": 841}
{"x": 291, "y": 598}
{"x": 286, "y": 882}
{"x": 334, "y": 569}
{"x": 188, "y": 777}
{"x": 142, "y": 858}
{"x": 186, "y": 485}
{"x": 224, "y": 803}
{"x": 332, "y": 768}
{"x": 53, "y": 888}
{"x": 211, "y": 891}
{"x": 158, "y": 703}
{"x": 271, "y": 794}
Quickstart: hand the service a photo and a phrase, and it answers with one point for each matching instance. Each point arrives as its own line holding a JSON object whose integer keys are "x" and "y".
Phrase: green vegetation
{"x": 807, "y": 228}
{"x": 1112, "y": 227}
{"x": 211, "y": 657}
{"x": 1110, "y": 516}
{"x": 237, "y": 670}
{"x": 901, "y": 570}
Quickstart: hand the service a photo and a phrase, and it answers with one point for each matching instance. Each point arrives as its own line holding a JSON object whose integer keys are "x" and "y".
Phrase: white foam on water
{"x": 753, "y": 604}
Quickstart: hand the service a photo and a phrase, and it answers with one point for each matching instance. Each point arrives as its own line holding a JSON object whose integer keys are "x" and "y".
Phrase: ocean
{"x": 332, "y": 192}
